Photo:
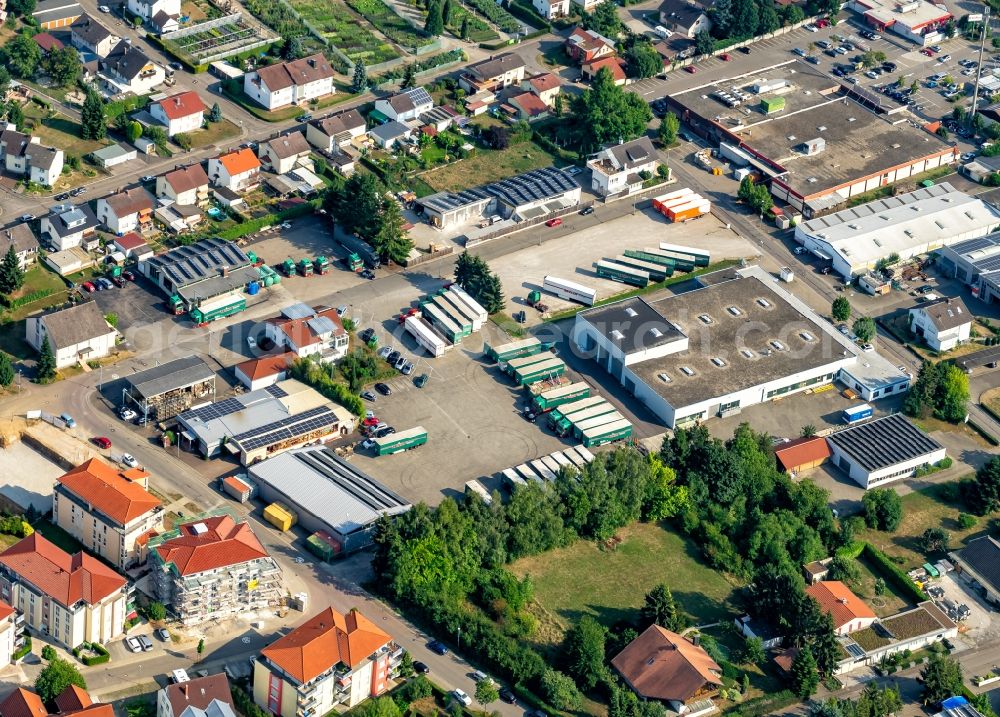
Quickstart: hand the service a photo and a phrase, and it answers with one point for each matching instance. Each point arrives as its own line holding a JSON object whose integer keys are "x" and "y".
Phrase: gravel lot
{"x": 35, "y": 476}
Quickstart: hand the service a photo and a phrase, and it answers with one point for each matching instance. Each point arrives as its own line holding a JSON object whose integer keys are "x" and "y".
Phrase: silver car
{"x": 383, "y": 353}
{"x": 400, "y": 362}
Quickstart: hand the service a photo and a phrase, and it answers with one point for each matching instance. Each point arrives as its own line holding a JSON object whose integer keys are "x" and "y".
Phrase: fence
{"x": 265, "y": 37}
{"x": 430, "y": 256}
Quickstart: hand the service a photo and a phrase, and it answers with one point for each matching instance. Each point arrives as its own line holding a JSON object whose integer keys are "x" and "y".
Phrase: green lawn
{"x": 931, "y": 507}
{"x": 489, "y": 166}
{"x": 610, "y": 584}
{"x": 59, "y": 131}
{"x": 214, "y": 133}
{"x": 885, "y": 605}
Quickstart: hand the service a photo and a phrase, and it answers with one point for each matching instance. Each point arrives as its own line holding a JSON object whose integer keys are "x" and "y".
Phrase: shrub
{"x": 23, "y": 650}
{"x": 48, "y": 652}
{"x": 893, "y": 572}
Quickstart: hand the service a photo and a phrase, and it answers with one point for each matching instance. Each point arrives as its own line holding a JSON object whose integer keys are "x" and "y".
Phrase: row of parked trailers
{"x": 526, "y": 370}
{"x": 592, "y": 420}
{"x": 682, "y": 205}
{"x": 515, "y": 349}
{"x": 639, "y": 267}
{"x": 446, "y": 317}
{"x": 545, "y": 469}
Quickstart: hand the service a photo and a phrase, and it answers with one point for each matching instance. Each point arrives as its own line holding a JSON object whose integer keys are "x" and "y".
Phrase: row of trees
{"x": 941, "y": 390}
{"x": 361, "y": 207}
{"x": 473, "y": 274}
{"x": 757, "y": 196}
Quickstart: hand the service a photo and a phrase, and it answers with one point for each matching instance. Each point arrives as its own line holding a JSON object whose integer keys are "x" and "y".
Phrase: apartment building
{"x": 107, "y": 510}
{"x": 11, "y": 633}
{"x": 333, "y": 660}
{"x": 71, "y": 598}
{"x": 213, "y": 568}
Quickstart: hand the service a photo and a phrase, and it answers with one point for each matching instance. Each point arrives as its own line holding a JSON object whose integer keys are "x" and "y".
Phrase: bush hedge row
{"x": 252, "y": 225}
{"x": 24, "y": 300}
{"x": 100, "y": 658}
{"x": 897, "y": 576}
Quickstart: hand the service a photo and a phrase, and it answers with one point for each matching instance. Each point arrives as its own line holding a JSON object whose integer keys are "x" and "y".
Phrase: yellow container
{"x": 279, "y": 516}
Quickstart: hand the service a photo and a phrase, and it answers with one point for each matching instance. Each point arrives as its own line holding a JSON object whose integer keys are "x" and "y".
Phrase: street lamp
{"x": 459, "y": 637}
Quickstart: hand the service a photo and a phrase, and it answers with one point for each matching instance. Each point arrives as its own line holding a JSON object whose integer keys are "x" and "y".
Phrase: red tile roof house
{"x": 107, "y": 508}
{"x": 331, "y": 660}
{"x": 237, "y": 171}
{"x": 615, "y": 65}
{"x": 71, "y": 702}
{"x": 47, "y": 42}
{"x": 307, "y": 331}
{"x": 545, "y": 85}
{"x": 78, "y": 593}
{"x": 183, "y": 112}
{"x": 133, "y": 246}
{"x": 586, "y": 46}
{"x": 528, "y": 106}
{"x": 263, "y": 372}
{"x": 662, "y": 665}
{"x": 192, "y": 698}
{"x": 211, "y": 569}
{"x": 849, "y": 612}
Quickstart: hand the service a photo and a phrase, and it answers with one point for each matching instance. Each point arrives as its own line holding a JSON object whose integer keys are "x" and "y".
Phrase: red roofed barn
{"x": 74, "y": 598}
{"x": 331, "y": 660}
{"x": 107, "y": 509}
{"x": 243, "y": 576}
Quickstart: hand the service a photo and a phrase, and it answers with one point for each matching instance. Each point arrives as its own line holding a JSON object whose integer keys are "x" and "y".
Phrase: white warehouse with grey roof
{"x": 883, "y": 450}
{"x": 929, "y": 218}
{"x": 327, "y": 493}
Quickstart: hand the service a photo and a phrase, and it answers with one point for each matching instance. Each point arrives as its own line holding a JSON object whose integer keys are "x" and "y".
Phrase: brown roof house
{"x": 79, "y": 333}
{"x": 330, "y": 660}
{"x": 802, "y": 454}
{"x": 662, "y": 665}
{"x": 849, "y": 612}
{"x": 126, "y": 211}
{"x": 290, "y": 83}
{"x": 335, "y": 131}
{"x": 207, "y": 696}
{"x": 943, "y": 324}
{"x": 186, "y": 185}
{"x": 24, "y": 242}
{"x": 493, "y": 74}
{"x": 107, "y": 509}
{"x": 282, "y": 154}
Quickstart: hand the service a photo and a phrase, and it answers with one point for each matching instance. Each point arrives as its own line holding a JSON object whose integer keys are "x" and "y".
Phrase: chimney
{"x": 696, "y": 639}
{"x": 842, "y": 601}
{"x": 312, "y": 62}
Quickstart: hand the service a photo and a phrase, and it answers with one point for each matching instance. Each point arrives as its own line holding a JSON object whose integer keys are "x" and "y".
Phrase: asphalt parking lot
{"x": 978, "y": 627}
{"x": 137, "y": 303}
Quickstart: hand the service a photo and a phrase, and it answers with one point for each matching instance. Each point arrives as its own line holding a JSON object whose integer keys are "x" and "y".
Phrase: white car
{"x": 286, "y": 225}
{"x": 127, "y": 414}
{"x": 133, "y": 644}
{"x": 367, "y": 444}
{"x": 128, "y": 460}
{"x": 800, "y": 250}
{"x": 104, "y": 8}
{"x": 251, "y": 342}
{"x": 867, "y": 347}
{"x": 811, "y": 28}
{"x": 461, "y": 697}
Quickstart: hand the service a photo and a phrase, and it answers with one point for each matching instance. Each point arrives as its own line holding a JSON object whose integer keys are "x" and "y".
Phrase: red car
{"x": 690, "y": 68}
{"x": 373, "y": 421}
{"x": 927, "y": 51}
{"x": 101, "y": 442}
{"x": 822, "y": 23}
{"x": 128, "y": 276}
{"x": 554, "y": 222}
{"x": 88, "y": 287}
{"x": 725, "y": 57}
{"x": 407, "y": 314}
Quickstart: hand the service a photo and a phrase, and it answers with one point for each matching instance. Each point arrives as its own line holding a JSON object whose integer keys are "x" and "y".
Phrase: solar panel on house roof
{"x": 854, "y": 649}
{"x": 276, "y": 391}
{"x": 321, "y": 325}
{"x": 215, "y": 410}
{"x": 297, "y": 311}
{"x": 419, "y": 96}
{"x": 286, "y": 428}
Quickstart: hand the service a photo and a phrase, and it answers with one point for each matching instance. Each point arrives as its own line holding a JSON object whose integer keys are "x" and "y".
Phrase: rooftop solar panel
{"x": 276, "y": 391}
{"x": 214, "y": 410}
{"x": 883, "y": 442}
{"x": 322, "y": 325}
{"x": 970, "y": 245}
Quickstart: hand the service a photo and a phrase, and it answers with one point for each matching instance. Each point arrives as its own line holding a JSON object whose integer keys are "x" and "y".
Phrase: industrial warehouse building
{"x": 206, "y": 275}
{"x": 818, "y": 140}
{"x": 327, "y": 494}
{"x": 259, "y": 424}
{"x": 657, "y": 347}
{"x": 976, "y": 262}
{"x": 883, "y": 450}
{"x": 855, "y": 239}
{"x": 526, "y": 196}
{"x": 979, "y": 564}
{"x": 163, "y": 391}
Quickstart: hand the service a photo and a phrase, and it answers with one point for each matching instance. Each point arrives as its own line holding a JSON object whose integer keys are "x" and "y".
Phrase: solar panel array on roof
{"x": 854, "y": 649}
{"x": 990, "y": 263}
{"x": 447, "y": 201}
{"x": 215, "y": 410}
{"x": 971, "y": 245}
{"x": 419, "y": 96}
{"x": 297, "y": 311}
{"x": 883, "y": 442}
{"x": 276, "y": 391}
{"x": 321, "y": 325}
{"x": 188, "y": 264}
{"x": 287, "y": 428}
{"x": 536, "y": 185}
{"x": 360, "y": 486}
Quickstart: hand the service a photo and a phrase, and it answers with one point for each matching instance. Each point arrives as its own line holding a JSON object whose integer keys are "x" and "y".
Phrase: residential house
{"x": 685, "y": 18}
{"x": 440, "y": 118}
{"x": 662, "y": 665}
{"x": 545, "y": 85}
{"x": 207, "y": 696}
{"x": 335, "y": 131}
{"x": 68, "y": 226}
{"x": 308, "y": 331}
{"x": 551, "y": 9}
{"x": 25, "y": 156}
{"x": 290, "y": 83}
{"x": 127, "y": 69}
{"x": 133, "y": 246}
{"x": 126, "y": 211}
{"x": 615, "y": 65}
{"x": 331, "y": 660}
{"x": 11, "y": 637}
{"x": 675, "y": 49}
{"x": 978, "y": 563}
{"x": 78, "y": 333}
{"x": 212, "y": 569}
{"x": 616, "y": 169}
{"x": 406, "y": 105}
{"x": 71, "y": 702}
{"x": 163, "y": 22}
{"x": 71, "y": 598}
{"x": 769, "y": 636}
{"x": 943, "y": 324}
{"x": 54, "y": 14}
{"x": 46, "y": 42}
{"x": 148, "y": 9}
{"x": 584, "y": 46}
{"x": 283, "y": 153}
{"x": 107, "y": 510}
{"x": 528, "y": 106}
{"x": 23, "y": 703}
{"x": 587, "y": 5}
{"x": 480, "y": 102}
{"x": 493, "y": 74}
{"x": 266, "y": 371}
{"x": 849, "y": 612}
{"x": 390, "y": 134}
{"x": 25, "y": 246}
{"x": 186, "y": 185}
{"x": 89, "y": 35}
{"x": 183, "y": 112}
{"x": 237, "y": 171}
{"x": 817, "y": 570}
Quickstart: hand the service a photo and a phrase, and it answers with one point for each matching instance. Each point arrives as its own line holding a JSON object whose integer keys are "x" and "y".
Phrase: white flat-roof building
{"x": 716, "y": 350}
{"x": 919, "y": 21}
{"x": 886, "y": 449}
{"x": 929, "y": 218}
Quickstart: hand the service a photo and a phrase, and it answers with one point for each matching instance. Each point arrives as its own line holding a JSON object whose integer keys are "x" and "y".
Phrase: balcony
{"x": 344, "y": 681}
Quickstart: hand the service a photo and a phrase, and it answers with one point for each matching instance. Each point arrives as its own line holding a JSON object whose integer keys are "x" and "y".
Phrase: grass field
{"x": 488, "y": 166}
{"x": 62, "y": 133}
{"x": 884, "y": 605}
{"x": 214, "y": 133}
{"x": 611, "y": 584}
{"x": 923, "y": 509}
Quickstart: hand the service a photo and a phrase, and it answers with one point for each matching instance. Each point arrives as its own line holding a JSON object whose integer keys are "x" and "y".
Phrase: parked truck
{"x": 321, "y": 265}
{"x": 425, "y": 335}
{"x": 545, "y": 402}
{"x": 512, "y": 350}
{"x": 306, "y": 267}
{"x": 354, "y": 262}
{"x": 288, "y": 267}
{"x": 607, "y": 433}
{"x": 535, "y": 301}
{"x": 402, "y": 441}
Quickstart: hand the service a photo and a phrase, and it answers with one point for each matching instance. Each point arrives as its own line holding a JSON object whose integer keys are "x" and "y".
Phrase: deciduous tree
{"x": 608, "y": 114}
{"x": 883, "y": 509}
{"x": 841, "y": 309}
{"x": 63, "y": 66}
{"x": 669, "y": 128}
{"x": 22, "y": 56}
{"x": 942, "y": 678}
{"x": 56, "y": 677}
{"x": 934, "y": 540}
{"x": 864, "y": 328}
{"x": 583, "y": 652}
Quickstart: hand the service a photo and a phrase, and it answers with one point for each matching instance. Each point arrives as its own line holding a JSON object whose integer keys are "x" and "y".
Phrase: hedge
{"x": 897, "y": 576}
{"x": 245, "y": 704}
{"x": 851, "y": 551}
{"x": 100, "y": 658}
{"x": 24, "y": 649}
{"x": 759, "y": 706}
{"x": 527, "y": 14}
{"x": 24, "y": 300}
{"x": 113, "y": 109}
{"x": 252, "y": 225}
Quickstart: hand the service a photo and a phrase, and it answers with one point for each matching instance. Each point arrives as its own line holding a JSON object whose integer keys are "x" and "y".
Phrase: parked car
{"x": 128, "y": 275}
{"x": 26, "y": 218}
{"x": 370, "y": 421}
{"x": 557, "y": 221}
{"x": 407, "y": 369}
{"x": 420, "y": 668}
{"x": 118, "y": 281}
{"x": 461, "y": 697}
{"x": 368, "y": 396}
{"x": 944, "y": 58}
{"x": 133, "y": 644}
{"x": 383, "y": 432}
{"x": 128, "y": 460}
{"x": 102, "y": 442}
{"x": 507, "y": 696}
{"x": 383, "y": 389}
{"x": 368, "y": 274}
{"x": 478, "y": 676}
{"x": 745, "y": 50}
{"x": 367, "y": 444}
{"x": 62, "y": 197}
{"x": 384, "y": 352}
{"x": 421, "y": 380}
{"x": 68, "y": 420}
{"x": 691, "y": 69}
{"x": 725, "y": 57}
{"x": 251, "y": 342}
{"x": 812, "y": 59}
{"x": 400, "y": 362}
{"x": 127, "y": 414}
{"x": 393, "y": 357}
{"x": 146, "y": 643}
{"x": 437, "y": 647}
{"x": 88, "y": 287}
{"x": 162, "y": 633}
{"x": 586, "y": 211}
{"x": 799, "y": 51}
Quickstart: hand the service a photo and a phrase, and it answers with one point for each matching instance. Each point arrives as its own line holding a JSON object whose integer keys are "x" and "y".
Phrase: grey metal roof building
{"x": 165, "y": 390}
{"x": 883, "y": 450}
{"x": 205, "y": 269}
{"x": 979, "y": 562}
{"x": 976, "y": 262}
{"x": 327, "y": 493}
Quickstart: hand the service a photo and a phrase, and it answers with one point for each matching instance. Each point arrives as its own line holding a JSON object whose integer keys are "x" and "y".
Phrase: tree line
{"x": 363, "y": 207}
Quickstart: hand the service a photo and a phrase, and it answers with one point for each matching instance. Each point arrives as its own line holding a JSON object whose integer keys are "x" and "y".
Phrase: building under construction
{"x": 162, "y": 392}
